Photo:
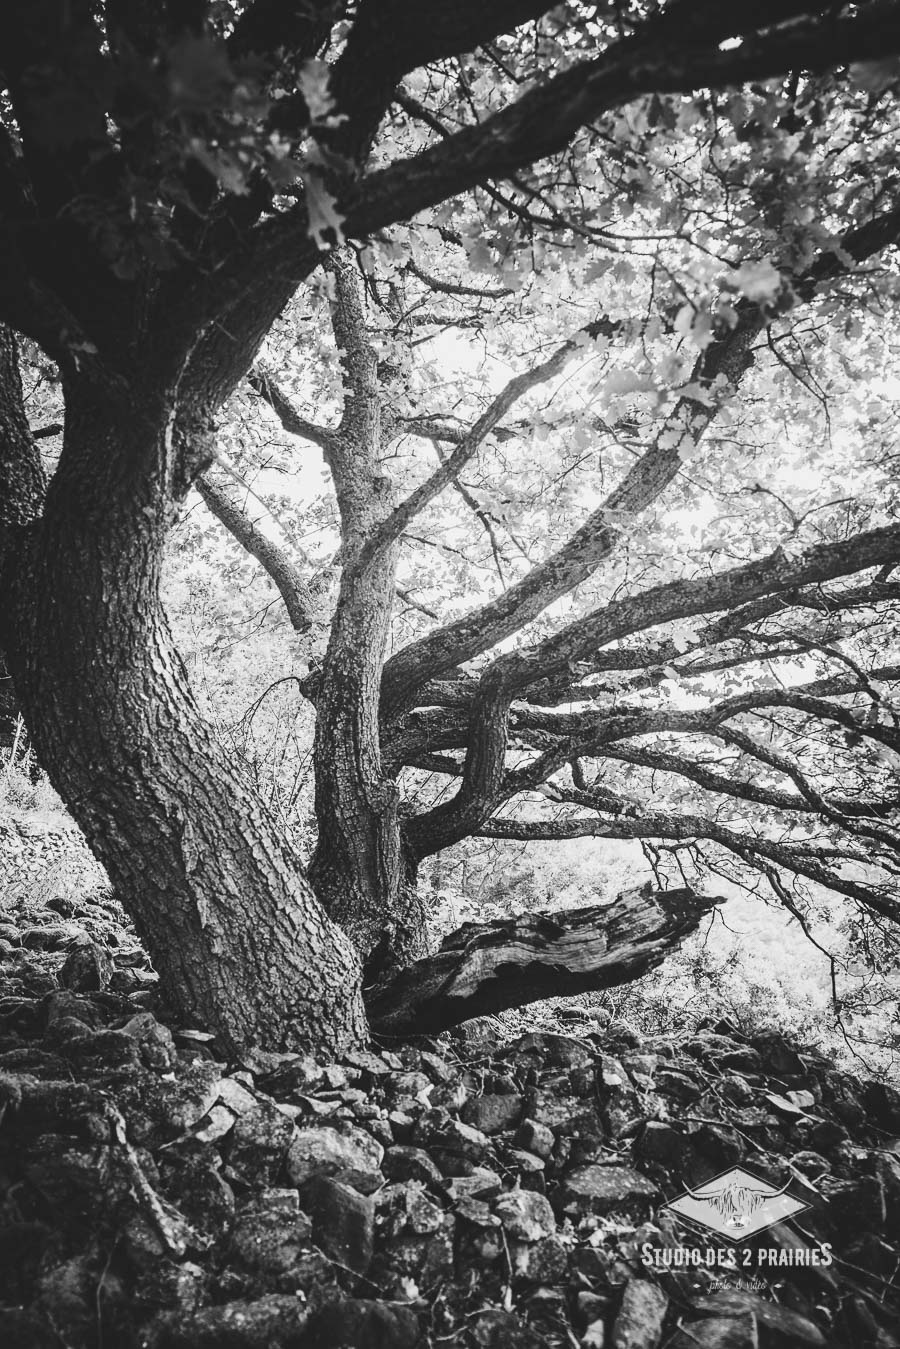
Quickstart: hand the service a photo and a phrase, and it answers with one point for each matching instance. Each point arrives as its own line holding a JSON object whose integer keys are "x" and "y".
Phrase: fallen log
{"x": 481, "y": 969}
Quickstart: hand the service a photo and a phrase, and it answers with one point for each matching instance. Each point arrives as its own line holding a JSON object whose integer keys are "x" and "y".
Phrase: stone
{"x": 597, "y": 1188}
{"x": 343, "y": 1221}
{"x": 564, "y": 1114}
{"x": 415, "y": 1238}
{"x": 327, "y": 1149}
{"x": 661, "y": 1144}
{"x": 358, "y": 1323}
{"x": 780, "y": 1328}
{"x": 639, "y": 1322}
{"x": 536, "y": 1137}
{"x": 269, "y": 1231}
{"x": 542, "y": 1262}
{"x": 156, "y": 1043}
{"x": 680, "y": 1086}
{"x": 719, "y": 1144}
{"x": 159, "y": 1109}
{"x": 589, "y": 1307}
{"x": 493, "y": 1113}
{"x": 86, "y": 969}
{"x": 524, "y": 1162}
{"x": 201, "y": 1192}
{"x": 438, "y": 1131}
{"x": 367, "y": 1063}
{"x": 277, "y": 1321}
{"x": 403, "y": 1162}
{"x": 496, "y": 1329}
{"x": 737, "y": 1332}
{"x": 552, "y": 1051}
{"x": 401, "y": 1125}
{"x": 259, "y": 1143}
{"x": 525, "y": 1215}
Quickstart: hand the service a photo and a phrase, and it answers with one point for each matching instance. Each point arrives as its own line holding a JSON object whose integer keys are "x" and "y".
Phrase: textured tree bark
{"x": 482, "y": 969}
{"x": 239, "y": 940}
{"x": 361, "y": 871}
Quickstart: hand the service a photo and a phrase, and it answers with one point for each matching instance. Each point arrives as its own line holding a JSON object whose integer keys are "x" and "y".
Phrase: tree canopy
{"x": 588, "y": 310}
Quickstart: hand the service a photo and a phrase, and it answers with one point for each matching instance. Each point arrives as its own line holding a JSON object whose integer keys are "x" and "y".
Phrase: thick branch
{"x": 508, "y": 963}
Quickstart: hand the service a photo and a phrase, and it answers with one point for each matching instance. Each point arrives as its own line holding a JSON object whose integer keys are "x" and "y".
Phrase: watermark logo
{"x": 737, "y": 1205}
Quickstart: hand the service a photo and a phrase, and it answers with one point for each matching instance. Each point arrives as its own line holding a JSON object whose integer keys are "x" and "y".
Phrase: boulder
{"x": 598, "y": 1188}
{"x": 639, "y": 1322}
{"x": 326, "y": 1149}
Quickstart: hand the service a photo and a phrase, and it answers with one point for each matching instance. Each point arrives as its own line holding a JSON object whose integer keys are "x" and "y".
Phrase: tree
{"x": 172, "y": 175}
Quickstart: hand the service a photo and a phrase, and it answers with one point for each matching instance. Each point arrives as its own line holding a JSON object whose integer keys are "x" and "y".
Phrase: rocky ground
{"x": 458, "y": 1192}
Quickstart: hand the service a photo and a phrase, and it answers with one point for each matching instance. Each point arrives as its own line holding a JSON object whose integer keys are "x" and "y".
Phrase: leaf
{"x": 325, "y": 221}
{"x": 760, "y": 281}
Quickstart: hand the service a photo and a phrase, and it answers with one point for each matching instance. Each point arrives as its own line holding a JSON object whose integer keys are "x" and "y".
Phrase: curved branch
{"x": 291, "y": 586}
{"x": 670, "y": 825}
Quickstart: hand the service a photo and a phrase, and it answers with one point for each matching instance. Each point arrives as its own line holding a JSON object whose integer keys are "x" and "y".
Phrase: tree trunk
{"x": 235, "y": 932}
{"x": 486, "y": 968}
{"x": 360, "y": 871}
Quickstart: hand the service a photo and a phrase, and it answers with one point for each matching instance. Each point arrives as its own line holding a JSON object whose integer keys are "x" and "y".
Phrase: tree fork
{"x": 481, "y": 969}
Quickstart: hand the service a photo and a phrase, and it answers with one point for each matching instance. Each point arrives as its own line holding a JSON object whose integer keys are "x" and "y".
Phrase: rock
{"x": 564, "y": 1114}
{"x": 525, "y": 1216}
{"x": 54, "y": 936}
{"x": 493, "y": 1113}
{"x": 156, "y": 1043}
{"x": 198, "y": 1188}
{"x": 680, "y": 1086}
{"x": 594, "y": 1336}
{"x": 277, "y": 1321}
{"x": 589, "y": 1308}
{"x": 780, "y": 1058}
{"x": 369, "y": 1064}
{"x": 526, "y": 1163}
{"x": 415, "y": 1238}
{"x": 536, "y": 1137}
{"x": 661, "y": 1144}
{"x": 598, "y": 1188}
{"x": 882, "y": 1105}
{"x": 542, "y": 1262}
{"x": 416, "y": 1086}
{"x": 551, "y": 1051}
{"x": 737, "y": 1332}
{"x": 401, "y": 1125}
{"x": 855, "y": 1205}
{"x": 343, "y": 1221}
{"x": 86, "y": 969}
{"x": 325, "y": 1149}
{"x": 361, "y": 1324}
{"x": 497, "y": 1329}
{"x": 159, "y": 1110}
{"x": 719, "y": 1144}
{"x": 269, "y": 1232}
{"x": 22, "y": 1329}
{"x": 260, "y": 1143}
{"x": 439, "y": 1132}
{"x": 778, "y": 1327}
{"x": 639, "y": 1322}
{"x": 482, "y": 1182}
{"x": 619, "y": 1101}
{"x": 403, "y": 1162}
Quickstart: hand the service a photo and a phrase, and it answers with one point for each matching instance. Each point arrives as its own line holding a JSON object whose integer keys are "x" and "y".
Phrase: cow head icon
{"x": 737, "y": 1205}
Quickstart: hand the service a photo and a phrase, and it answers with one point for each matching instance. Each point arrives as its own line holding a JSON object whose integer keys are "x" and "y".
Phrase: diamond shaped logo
{"x": 737, "y": 1205}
